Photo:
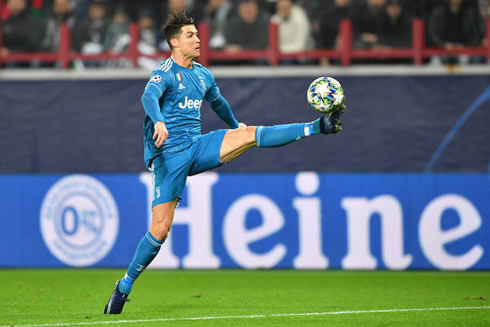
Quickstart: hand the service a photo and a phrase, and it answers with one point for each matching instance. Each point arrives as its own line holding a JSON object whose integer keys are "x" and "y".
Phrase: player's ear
{"x": 174, "y": 42}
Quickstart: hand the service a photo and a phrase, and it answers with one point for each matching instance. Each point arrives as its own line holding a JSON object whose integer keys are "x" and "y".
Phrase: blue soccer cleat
{"x": 330, "y": 123}
{"x": 116, "y": 301}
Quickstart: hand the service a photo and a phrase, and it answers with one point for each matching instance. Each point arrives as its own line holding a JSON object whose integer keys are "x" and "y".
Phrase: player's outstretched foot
{"x": 116, "y": 301}
{"x": 330, "y": 123}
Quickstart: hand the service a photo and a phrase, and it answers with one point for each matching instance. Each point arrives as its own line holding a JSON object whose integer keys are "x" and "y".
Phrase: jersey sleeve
{"x": 158, "y": 81}
{"x": 212, "y": 93}
{"x": 154, "y": 90}
{"x": 218, "y": 103}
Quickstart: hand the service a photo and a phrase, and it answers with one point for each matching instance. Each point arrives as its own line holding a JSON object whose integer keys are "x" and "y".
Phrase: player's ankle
{"x": 125, "y": 285}
{"x": 313, "y": 127}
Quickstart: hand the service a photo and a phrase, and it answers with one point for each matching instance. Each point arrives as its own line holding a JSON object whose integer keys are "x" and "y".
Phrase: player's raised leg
{"x": 237, "y": 141}
{"x": 147, "y": 250}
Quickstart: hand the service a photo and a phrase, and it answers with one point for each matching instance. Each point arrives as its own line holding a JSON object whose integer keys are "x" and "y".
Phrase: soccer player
{"x": 175, "y": 147}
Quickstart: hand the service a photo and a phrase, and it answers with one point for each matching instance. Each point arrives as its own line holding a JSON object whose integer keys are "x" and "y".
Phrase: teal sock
{"x": 146, "y": 251}
{"x": 279, "y": 135}
{"x": 126, "y": 284}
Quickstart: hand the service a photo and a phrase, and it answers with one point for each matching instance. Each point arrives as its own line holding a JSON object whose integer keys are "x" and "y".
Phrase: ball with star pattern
{"x": 325, "y": 95}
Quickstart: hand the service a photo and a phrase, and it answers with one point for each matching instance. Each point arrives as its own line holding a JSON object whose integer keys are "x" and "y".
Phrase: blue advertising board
{"x": 391, "y": 124}
{"x": 303, "y": 220}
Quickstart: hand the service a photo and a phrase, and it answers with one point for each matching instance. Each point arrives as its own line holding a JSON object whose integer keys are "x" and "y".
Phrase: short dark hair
{"x": 173, "y": 25}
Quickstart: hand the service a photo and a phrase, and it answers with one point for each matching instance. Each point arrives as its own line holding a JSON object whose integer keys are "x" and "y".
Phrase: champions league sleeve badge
{"x": 156, "y": 79}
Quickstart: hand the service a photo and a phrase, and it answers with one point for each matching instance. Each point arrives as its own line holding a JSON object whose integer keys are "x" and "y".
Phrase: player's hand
{"x": 160, "y": 134}
{"x": 242, "y": 125}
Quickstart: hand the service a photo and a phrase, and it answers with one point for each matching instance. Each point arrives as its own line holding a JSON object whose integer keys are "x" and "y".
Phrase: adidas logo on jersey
{"x": 181, "y": 86}
{"x": 191, "y": 104}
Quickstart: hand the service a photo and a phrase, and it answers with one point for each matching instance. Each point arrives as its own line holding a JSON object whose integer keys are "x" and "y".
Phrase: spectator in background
{"x": 328, "y": 31}
{"x": 368, "y": 20}
{"x": 172, "y": 6}
{"x": 147, "y": 39}
{"x": 89, "y": 34}
{"x": 61, "y": 14}
{"x": 133, "y": 8}
{"x": 146, "y": 25}
{"x": 4, "y": 12}
{"x": 21, "y": 32}
{"x": 294, "y": 27}
{"x": 453, "y": 25}
{"x": 80, "y": 8}
{"x": 396, "y": 29}
{"x": 117, "y": 37}
{"x": 248, "y": 30}
{"x": 194, "y": 8}
{"x": 484, "y": 8}
{"x": 422, "y": 8}
{"x": 217, "y": 14}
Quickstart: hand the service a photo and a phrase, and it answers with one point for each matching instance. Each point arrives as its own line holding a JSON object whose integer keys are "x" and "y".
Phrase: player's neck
{"x": 182, "y": 61}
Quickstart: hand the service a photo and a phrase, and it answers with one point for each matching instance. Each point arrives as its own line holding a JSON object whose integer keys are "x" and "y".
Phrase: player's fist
{"x": 242, "y": 125}
{"x": 160, "y": 134}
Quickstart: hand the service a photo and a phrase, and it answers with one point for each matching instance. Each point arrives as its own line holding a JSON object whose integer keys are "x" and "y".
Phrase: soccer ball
{"x": 325, "y": 95}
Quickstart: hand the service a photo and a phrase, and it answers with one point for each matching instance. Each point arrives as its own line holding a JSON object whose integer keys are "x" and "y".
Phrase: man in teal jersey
{"x": 175, "y": 147}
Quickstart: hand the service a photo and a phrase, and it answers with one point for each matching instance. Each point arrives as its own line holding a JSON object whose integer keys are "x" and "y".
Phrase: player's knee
{"x": 249, "y": 134}
{"x": 160, "y": 232}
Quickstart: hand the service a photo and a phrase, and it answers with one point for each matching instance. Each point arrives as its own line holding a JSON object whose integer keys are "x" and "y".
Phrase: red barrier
{"x": 418, "y": 40}
{"x": 64, "y": 46}
{"x": 274, "y": 52}
{"x": 133, "y": 45}
{"x": 204, "y": 37}
{"x": 346, "y": 53}
{"x": 346, "y": 31}
{"x": 1, "y": 47}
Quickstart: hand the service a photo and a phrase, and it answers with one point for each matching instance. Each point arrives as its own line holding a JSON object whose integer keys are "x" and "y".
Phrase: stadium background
{"x": 272, "y": 237}
{"x": 404, "y": 186}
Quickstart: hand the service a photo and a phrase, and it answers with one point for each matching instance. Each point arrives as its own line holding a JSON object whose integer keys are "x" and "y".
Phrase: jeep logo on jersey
{"x": 191, "y": 104}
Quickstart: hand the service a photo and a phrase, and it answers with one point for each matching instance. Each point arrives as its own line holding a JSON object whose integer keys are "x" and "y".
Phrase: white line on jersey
{"x": 166, "y": 65}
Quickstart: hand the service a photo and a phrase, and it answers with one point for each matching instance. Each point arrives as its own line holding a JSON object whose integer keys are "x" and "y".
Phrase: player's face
{"x": 189, "y": 43}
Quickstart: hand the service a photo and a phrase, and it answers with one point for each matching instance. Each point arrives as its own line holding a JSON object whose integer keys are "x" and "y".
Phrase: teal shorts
{"x": 170, "y": 171}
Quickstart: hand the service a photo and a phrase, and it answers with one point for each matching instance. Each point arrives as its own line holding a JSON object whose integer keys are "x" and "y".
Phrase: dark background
{"x": 392, "y": 124}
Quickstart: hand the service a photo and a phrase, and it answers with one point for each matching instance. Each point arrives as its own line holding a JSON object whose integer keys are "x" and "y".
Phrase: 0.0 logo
{"x": 79, "y": 220}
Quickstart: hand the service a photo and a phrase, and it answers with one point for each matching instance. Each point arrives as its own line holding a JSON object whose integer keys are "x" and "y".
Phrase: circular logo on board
{"x": 79, "y": 220}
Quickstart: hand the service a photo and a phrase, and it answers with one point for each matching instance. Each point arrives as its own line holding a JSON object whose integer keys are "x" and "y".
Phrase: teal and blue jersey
{"x": 174, "y": 95}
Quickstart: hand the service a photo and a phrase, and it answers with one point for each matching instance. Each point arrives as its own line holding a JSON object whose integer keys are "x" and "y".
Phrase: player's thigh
{"x": 169, "y": 174}
{"x": 205, "y": 152}
{"x": 236, "y": 142}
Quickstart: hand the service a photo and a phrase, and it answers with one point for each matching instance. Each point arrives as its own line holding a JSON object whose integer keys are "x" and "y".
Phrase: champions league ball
{"x": 325, "y": 95}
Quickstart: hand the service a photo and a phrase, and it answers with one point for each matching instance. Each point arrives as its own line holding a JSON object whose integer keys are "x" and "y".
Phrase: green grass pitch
{"x": 76, "y": 297}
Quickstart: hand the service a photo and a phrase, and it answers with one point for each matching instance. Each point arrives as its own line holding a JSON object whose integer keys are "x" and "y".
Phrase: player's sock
{"x": 146, "y": 251}
{"x": 126, "y": 284}
{"x": 279, "y": 135}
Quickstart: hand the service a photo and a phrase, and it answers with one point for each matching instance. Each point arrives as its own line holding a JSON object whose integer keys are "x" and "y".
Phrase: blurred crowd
{"x": 100, "y": 26}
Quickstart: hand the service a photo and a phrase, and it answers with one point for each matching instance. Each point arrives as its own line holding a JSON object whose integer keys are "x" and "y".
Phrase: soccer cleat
{"x": 330, "y": 123}
{"x": 116, "y": 301}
